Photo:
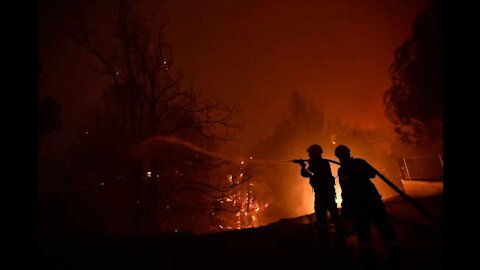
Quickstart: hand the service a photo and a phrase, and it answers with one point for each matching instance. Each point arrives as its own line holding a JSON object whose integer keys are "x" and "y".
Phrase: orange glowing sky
{"x": 256, "y": 52}
{"x": 253, "y": 53}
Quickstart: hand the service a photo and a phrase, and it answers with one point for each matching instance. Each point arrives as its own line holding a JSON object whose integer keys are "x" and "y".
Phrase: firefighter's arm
{"x": 304, "y": 172}
{"x": 371, "y": 172}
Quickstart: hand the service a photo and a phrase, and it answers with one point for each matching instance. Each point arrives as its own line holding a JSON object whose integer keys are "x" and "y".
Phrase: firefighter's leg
{"x": 322, "y": 224}
{"x": 387, "y": 232}
{"x": 364, "y": 235}
{"x": 340, "y": 227}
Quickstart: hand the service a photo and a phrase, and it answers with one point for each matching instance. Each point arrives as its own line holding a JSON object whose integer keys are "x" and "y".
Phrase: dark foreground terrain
{"x": 286, "y": 244}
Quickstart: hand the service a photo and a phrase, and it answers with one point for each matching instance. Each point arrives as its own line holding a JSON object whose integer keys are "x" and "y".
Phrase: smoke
{"x": 289, "y": 194}
{"x": 301, "y": 125}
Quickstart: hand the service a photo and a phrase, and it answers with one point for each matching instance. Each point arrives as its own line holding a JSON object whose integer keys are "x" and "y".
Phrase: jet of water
{"x": 198, "y": 149}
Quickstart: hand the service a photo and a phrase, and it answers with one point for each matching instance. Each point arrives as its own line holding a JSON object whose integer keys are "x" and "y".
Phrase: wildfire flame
{"x": 246, "y": 208}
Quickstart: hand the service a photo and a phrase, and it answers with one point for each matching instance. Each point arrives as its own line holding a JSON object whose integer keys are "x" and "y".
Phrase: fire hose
{"x": 409, "y": 199}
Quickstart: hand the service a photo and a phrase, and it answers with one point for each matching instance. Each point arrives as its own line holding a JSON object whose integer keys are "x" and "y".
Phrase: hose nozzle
{"x": 299, "y": 161}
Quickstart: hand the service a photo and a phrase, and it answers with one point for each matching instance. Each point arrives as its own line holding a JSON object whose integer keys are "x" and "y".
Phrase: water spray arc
{"x": 198, "y": 149}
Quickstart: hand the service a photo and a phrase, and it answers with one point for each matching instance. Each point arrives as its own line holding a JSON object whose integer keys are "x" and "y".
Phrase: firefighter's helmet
{"x": 342, "y": 150}
{"x": 315, "y": 149}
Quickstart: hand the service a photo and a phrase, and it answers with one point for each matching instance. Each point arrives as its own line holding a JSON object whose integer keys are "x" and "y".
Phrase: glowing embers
{"x": 245, "y": 207}
{"x": 238, "y": 208}
{"x": 178, "y": 173}
{"x": 333, "y": 138}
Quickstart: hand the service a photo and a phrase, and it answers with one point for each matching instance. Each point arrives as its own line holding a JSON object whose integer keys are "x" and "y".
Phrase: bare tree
{"x": 147, "y": 90}
{"x": 146, "y": 99}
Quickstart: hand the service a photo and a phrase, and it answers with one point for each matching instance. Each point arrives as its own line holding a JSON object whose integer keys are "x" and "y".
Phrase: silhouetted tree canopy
{"x": 414, "y": 102}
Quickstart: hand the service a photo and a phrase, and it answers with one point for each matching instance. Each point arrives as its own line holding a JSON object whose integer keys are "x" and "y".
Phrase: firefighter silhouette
{"x": 362, "y": 204}
{"x": 323, "y": 184}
